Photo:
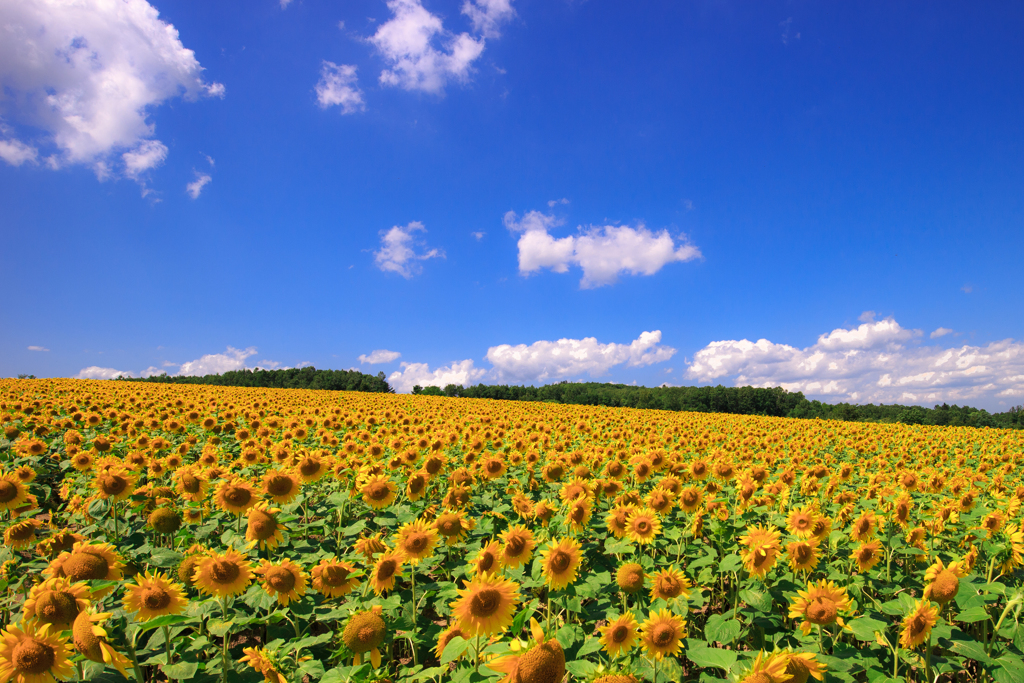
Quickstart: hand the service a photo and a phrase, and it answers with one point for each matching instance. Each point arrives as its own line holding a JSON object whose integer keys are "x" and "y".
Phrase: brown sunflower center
{"x": 190, "y": 484}
{"x": 669, "y": 586}
{"x": 224, "y": 571}
{"x": 663, "y": 635}
{"x": 84, "y": 566}
{"x": 803, "y": 553}
{"x": 416, "y": 542}
{"x": 542, "y": 664}
{"x": 494, "y": 466}
{"x": 866, "y": 554}
{"x": 377, "y": 490}
{"x": 22, "y": 531}
{"x": 917, "y": 625}
{"x": 237, "y": 495}
{"x": 281, "y": 579}
{"x": 309, "y": 466}
{"x": 801, "y": 523}
{"x": 449, "y": 526}
{"x": 486, "y": 562}
{"x": 279, "y": 485}
{"x": 515, "y": 545}
{"x": 822, "y": 611}
{"x": 945, "y": 587}
{"x": 560, "y": 561}
{"x": 56, "y": 607}
{"x": 386, "y": 569}
{"x": 8, "y": 490}
{"x": 485, "y": 602}
{"x": 156, "y": 598}
{"x": 113, "y": 484}
{"x": 263, "y": 525}
{"x": 758, "y": 677}
{"x": 863, "y": 526}
{"x": 33, "y": 657}
{"x": 620, "y": 633}
{"x": 334, "y": 575}
{"x": 642, "y": 526}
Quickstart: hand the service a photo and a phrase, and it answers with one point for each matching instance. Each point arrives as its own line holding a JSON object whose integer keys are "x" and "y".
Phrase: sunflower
{"x": 669, "y": 584}
{"x": 262, "y": 526}
{"x": 643, "y": 525}
{"x": 517, "y": 546}
{"x": 334, "y": 578}
{"x": 1010, "y": 557}
{"x": 699, "y": 469}
{"x": 821, "y": 604}
{"x": 690, "y": 498}
{"x": 865, "y": 526}
{"x": 767, "y": 669}
{"x": 617, "y": 521}
{"x": 190, "y": 485}
{"x": 284, "y": 580}
{"x": 261, "y": 660}
{"x": 803, "y": 555}
{"x": 446, "y": 637}
{"x": 416, "y": 485}
{"x": 803, "y": 665}
{"x": 33, "y": 657}
{"x": 235, "y": 496}
{"x": 762, "y": 550}
{"x": 538, "y": 661}
{"x": 154, "y": 595}
{"x": 543, "y": 511}
{"x": 917, "y": 626}
{"x": 416, "y": 541}
{"x": 662, "y": 634}
{"x": 660, "y": 500}
{"x": 88, "y": 561}
{"x": 867, "y": 555}
{"x": 165, "y": 520}
{"x": 630, "y": 578}
{"x": 311, "y": 468}
{"x": 386, "y": 570}
{"x": 379, "y": 492}
{"x": 943, "y": 583}
{"x": 488, "y": 559}
{"x": 54, "y": 604}
{"x": 224, "y": 574}
{"x": 281, "y": 487}
{"x": 365, "y": 632}
{"x": 114, "y": 484}
{"x": 21, "y": 535}
{"x": 801, "y": 521}
{"x": 578, "y": 514}
{"x": 90, "y": 640}
{"x": 486, "y": 604}
{"x": 560, "y": 561}
{"x": 620, "y": 635}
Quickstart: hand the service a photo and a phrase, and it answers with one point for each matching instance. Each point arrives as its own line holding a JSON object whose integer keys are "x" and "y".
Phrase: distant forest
{"x": 735, "y": 400}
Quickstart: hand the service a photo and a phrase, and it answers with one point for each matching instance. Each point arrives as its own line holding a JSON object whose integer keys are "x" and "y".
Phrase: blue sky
{"x": 821, "y": 197}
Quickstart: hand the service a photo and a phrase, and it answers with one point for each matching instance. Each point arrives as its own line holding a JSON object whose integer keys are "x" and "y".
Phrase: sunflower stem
{"x": 167, "y": 642}
{"x": 227, "y": 641}
{"x": 654, "y": 663}
{"x": 478, "y": 654}
{"x": 928, "y": 658}
{"x": 130, "y": 647}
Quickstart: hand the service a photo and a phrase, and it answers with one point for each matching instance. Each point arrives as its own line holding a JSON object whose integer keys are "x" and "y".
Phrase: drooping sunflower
{"x": 669, "y": 584}
{"x": 283, "y": 580}
{"x": 21, "y": 535}
{"x": 767, "y": 668}
{"x": 385, "y": 571}
{"x": 800, "y": 521}
{"x": 867, "y": 555}
{"x": 446, "y": 636}
{"x": 154, "y": 595}
{"x": 803, "y": 665}
{"x": 643, "y": 526}
{"x": 33, "y": 657}
{"x": 517, "y": 546}
{"x": 224, "y": 574}
{"x": 763, "y": 549}
{"x": 662, "y": 634}
{"x": 370, "y": 546}
{"x": 620, "y": 635}
{"x": 365, "y": 632}
{"x": 488, "y": 559}
{"x": 416, "y": 485}
{"x": 630, "y": 578}
{"x": 235, "y": 496}
{"x": 560, "y": 562}
{"x": 379, "y": 492}
{"x": 88, "y": 561}
{"x": 262, "y": 526}
{"x": 261, "y": 661}
{"x": 537, "y": 661}
{"x": 486, "y": 604}
{"x": 803, "y": 555}
{"x": 60, "y": 541}
{"x": 942, "y": 583}
{"x": 917, "y": 626}
{"x": 54, "y": 604}
{"x": 453, "y": 526}
{"x": 280, "y": 486}
{"x": 90, "y": 640}
{"x": 416, "y": 540}
{"x": 333, "y": 577}
{"x": 821, "y": 604}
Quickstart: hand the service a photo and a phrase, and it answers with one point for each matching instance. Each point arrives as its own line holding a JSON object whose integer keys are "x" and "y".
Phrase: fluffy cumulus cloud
{"x": 423, "y": 55}
{"x": 96, "y": 372}
{"x": 545, "y": 360}
{"x": 603, "y": 252}
{"x": 378, "y": 356}
{"x": 81, "y": 77}
{"x": 338, "y": 87}
{"x": 398, "y": 250}
{"x": 217, "y": 363}
{"x": 196, "y": 186}
{"x": 412, "y": 374}
{"x": 877, "y": 362}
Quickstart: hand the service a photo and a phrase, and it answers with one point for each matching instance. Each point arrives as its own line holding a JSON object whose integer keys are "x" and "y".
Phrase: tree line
{"x": 292, "y": 378}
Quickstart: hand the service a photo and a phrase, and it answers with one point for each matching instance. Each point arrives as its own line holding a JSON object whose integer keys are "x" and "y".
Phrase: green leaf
{"x": 972, "y": 615}
{"x": 219, "y": 627}
{"x": 617, "y": 546}
{"x": 455, "y": 648}
{"x": 182, "y": 671}
{"x": 581, "y": 668}
{"x": 970, "y": 648}
{"x": 762, "y": 602}
{"x": 163, "y": 557}
{"x": 705, "y": 657}
{"x": 864, "y": 628}
{"x": 590, "y": 645}
{"x": 523, "y": 616}
{"x": 720, "y": 629}
{"x": 1009, "y": 669}
{"x": 312, "y": 668}
{"x": 730, "y": 563}
{"x": 354, "y": 529}
{"x": 569, "y": 635}
{"x": 165, "y": 620}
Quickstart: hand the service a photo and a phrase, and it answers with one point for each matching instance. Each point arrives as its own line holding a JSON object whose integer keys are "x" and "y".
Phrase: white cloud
{"x": 398, "y": 250}
{"x": 152, "y": 371}
{"x": 96, "y": 372}
{"x": 285, "y": 3}
{"x": 556, "y": 202}
{"x": 488, "y": 15}
{"x": 217, "y": 363}
{"x": 411, "y": 374}
{"x": 544, "y": 360}
{"x": 197, "y": 185}
{"x": 602, "y": 252}
{"x": 478, "y": 235}
{"x": 873, "y": 363}
{"x": 37, "y": 348}
{"x": 81, "y": 77}
{"x": 867, "y": 317}
{"x": 940, "y": 332}
{"x": 421, "y": 53}
{"x": 338, "y": 86}
{"x": 379, "y": 356}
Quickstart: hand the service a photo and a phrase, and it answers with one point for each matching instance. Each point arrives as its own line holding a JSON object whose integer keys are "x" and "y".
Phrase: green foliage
{"x": 293, "y": 378}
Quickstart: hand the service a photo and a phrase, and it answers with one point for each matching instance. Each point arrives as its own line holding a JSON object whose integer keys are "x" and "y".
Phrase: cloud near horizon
{"x": 876, "y": 362}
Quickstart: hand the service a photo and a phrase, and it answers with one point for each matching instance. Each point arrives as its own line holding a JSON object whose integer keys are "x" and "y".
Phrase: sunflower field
{"x": 197, "y": 533}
